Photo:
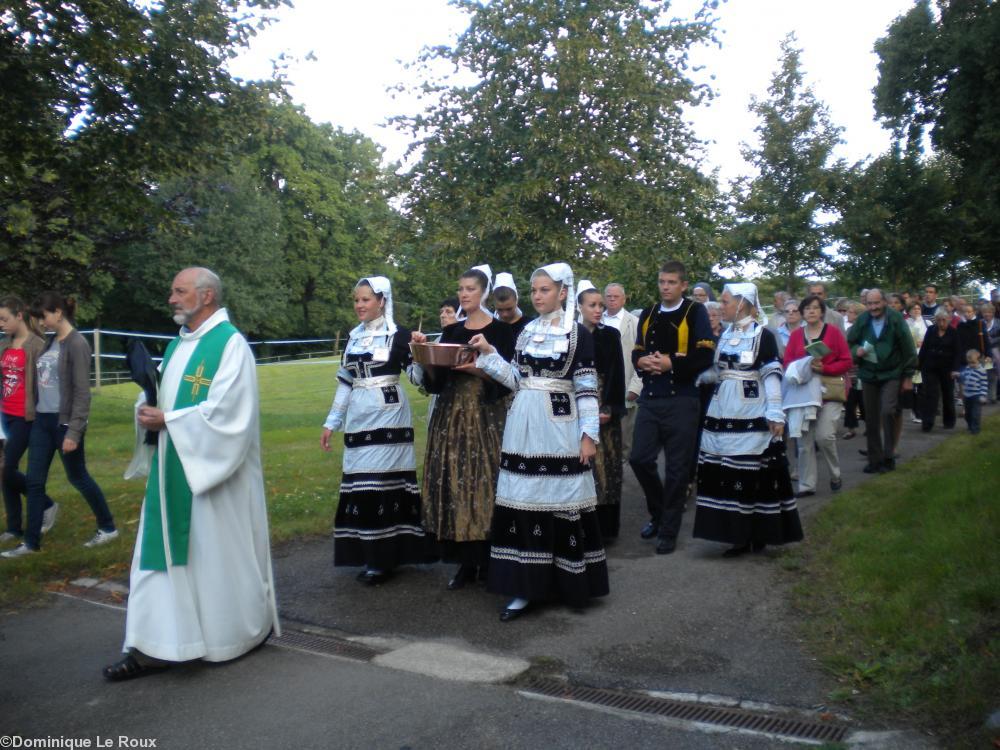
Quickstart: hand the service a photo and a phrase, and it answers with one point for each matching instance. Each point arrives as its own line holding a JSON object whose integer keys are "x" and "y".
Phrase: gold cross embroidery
{"x": 197, "y": 380}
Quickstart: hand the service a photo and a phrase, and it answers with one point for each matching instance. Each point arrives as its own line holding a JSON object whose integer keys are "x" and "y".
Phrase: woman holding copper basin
{"x": 464, "y": 436}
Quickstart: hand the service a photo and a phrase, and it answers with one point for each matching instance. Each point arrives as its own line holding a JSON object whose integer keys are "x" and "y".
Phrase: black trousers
{"x": 852, "y": 407}
{"x": 937, "y": 383}
{"x": 881, "y": 405}
{"x": 669, "y": 425}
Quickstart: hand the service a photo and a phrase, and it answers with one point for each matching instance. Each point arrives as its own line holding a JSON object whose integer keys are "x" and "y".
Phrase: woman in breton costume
{"x": 463, "y": 436}
{"x": 546, "y": 541}
{"x": 611, "y": 399}
{"x": 745, "y": 493}
{"x": 377, "y": 524}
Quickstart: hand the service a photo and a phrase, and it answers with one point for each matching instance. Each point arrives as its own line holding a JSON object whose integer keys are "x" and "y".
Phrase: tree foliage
{"x": 99, "y": 99}
{"x": 224, "y": 220}
{"x": 938, "y": 74}
{"x": 337, "y": 223}
{"x": 569, "y": 143}
{"x": 778, "y": 212}
{"x": 896, "y": 221}
{"x": 290, "y": 225}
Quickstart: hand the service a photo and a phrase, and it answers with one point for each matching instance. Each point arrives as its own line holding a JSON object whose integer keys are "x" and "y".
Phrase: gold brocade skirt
{"x": 608, "y": 475}
{"x": 608, "y": 463}
{"x": 463, "y": 460}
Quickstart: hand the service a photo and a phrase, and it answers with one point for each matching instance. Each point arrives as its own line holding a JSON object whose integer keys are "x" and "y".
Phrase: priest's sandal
{"x": 129, "y": 668}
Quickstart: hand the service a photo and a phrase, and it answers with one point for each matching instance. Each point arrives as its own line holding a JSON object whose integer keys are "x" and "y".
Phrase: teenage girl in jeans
{"x": 61, "y": 412}
{"x": 19, "y": 351}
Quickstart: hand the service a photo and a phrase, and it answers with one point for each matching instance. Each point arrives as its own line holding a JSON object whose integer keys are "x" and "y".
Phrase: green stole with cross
{"x": 193, "y": 389}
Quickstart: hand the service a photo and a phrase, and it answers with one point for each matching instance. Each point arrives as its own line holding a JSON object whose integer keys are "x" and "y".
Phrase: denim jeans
{"x": 973, "y": 414}
{"x": 17, "y": 431}
{"x": 47, "y": 437}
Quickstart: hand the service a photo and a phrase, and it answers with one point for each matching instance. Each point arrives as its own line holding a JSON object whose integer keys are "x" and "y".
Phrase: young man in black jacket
{"x": 674, "y": 344}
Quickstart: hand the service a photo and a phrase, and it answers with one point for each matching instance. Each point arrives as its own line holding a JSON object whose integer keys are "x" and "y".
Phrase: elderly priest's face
{"x": 186, "y": 299}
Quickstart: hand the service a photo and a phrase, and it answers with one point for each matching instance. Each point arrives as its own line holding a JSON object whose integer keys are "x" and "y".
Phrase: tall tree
{"x": 225, "y": 220}
{"x": 290, "y": 225}
{"x": 896, "y": 221}
{"x": 778, "y": 212}
{"x": 99, "y": 99}
{"x": 569, "y": 143}
{"x": 938, "y": 74}
{"x": 337, "y": 223}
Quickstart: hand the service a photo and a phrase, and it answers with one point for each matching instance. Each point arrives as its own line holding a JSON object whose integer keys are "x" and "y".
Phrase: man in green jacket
{"x": 883, "y": 348}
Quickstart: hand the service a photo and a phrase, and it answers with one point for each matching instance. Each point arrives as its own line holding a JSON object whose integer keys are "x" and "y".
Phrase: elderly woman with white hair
{"x": 745, "y": 495}
{"x": 939, "y": 359}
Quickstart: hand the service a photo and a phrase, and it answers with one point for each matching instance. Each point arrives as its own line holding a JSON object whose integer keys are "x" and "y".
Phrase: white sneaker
{"x": 49, "y": 518}
{"x": 102, "y": 537}
{"x": 8, "y": 536}
{"x": 20, "y": 551}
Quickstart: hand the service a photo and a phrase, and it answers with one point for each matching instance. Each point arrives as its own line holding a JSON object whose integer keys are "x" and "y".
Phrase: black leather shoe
{"x": 129, "y": 668}
{"x": 872, "y": 469}
{"x": 511, "y": 614}
{"x": 465, "y": 574}
{"x": 737, "y": 551}
{"x": 805, "y": 493}
{"x": 649, "y": 530}
{"x": 836, "y": 484}
{"x": 665, "y": 546}
{"x": 863, "y": 451}
{"x": 371, "y": 578}
{"x": 889, "y": 465}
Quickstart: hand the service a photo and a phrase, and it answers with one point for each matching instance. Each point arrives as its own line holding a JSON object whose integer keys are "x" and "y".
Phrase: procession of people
{"x": 529, "y": 432}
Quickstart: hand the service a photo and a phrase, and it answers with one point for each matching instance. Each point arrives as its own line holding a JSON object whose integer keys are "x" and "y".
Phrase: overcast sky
{"x": 361, "y": 47}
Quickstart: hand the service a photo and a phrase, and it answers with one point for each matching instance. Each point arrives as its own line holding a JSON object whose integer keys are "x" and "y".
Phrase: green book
{"x": 818, "y": 349}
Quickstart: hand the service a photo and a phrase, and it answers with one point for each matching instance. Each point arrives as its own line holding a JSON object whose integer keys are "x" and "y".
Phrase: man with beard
{"x": 201, "y": 585}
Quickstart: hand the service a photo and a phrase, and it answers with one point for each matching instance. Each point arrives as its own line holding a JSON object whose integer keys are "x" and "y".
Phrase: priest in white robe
{"x": 201, "y": 584}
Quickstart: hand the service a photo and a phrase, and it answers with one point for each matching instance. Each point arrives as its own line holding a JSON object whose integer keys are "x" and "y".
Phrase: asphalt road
{"x": 690, "y": 622}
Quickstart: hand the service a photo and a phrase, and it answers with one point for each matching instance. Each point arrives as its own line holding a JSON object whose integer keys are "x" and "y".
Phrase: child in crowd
{"x": 973, "y": 377}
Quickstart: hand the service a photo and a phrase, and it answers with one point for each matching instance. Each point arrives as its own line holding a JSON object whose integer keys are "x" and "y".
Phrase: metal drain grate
{"x": 321, "y": 644}
{"x": 734, "y": 718}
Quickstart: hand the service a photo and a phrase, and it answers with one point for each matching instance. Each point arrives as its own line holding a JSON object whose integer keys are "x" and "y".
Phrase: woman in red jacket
{"x": 832, "y": 367}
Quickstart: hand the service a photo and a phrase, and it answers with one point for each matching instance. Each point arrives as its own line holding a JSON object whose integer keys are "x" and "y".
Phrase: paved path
{"x": 690, "y": 622}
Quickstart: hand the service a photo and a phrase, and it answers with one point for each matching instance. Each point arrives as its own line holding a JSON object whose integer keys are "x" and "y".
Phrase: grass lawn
{"x": 900, "y": 581}
{"x": 301, "y": 480}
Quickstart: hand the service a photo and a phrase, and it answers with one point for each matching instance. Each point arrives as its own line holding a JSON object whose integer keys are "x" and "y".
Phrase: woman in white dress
{"x": 745, "y": 493}
{"x": 546, "y": 540}
{"x": 377, "y": 524}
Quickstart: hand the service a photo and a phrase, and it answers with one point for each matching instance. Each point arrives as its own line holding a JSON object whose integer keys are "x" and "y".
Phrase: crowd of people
{"x": 736, "y": 407}
{"x": 528, "y": 440}
{"x": 529, "y": 433}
